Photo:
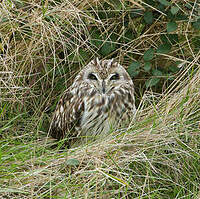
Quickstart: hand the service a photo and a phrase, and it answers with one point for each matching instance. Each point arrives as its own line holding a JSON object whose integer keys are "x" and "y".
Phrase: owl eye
{"x": 115, "y": 76}
{"x": 92, "y": 76}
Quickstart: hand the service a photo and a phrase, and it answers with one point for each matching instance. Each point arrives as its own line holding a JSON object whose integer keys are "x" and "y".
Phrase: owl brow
{"x": 113, "y": 63}
{"x": 97, "y": 62}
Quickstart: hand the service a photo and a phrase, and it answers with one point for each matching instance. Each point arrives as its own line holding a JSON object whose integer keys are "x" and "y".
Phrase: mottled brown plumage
{"x": 101, "y": 98}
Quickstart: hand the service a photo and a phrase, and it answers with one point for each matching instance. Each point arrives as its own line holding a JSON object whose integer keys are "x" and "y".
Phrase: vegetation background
{"x": 43, "y": 44}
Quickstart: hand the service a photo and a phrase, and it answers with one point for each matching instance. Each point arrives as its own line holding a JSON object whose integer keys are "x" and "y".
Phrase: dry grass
{"x": 43, "y": 45}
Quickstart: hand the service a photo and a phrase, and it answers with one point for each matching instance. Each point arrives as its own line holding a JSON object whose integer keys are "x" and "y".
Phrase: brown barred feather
{"x": 101, "y": 96}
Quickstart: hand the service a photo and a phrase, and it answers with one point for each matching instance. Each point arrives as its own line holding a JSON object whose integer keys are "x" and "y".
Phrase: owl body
{"x": 101, "y": 98}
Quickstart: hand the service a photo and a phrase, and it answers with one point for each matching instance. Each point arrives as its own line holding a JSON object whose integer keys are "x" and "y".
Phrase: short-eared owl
{"x": 101, "y": 97}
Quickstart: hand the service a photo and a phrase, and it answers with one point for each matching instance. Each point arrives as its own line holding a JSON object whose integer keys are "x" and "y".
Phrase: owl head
{"x": 104, "y": 75}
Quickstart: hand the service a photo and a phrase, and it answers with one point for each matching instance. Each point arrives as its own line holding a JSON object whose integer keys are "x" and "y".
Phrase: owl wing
{"x": 67, "y": 115}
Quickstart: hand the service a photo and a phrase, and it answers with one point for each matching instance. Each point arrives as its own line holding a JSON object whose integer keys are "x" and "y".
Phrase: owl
{"x": 101, "y": 98}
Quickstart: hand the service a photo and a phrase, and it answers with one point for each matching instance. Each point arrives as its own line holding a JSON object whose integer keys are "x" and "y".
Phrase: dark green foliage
{"x": 173, "y": 68}
{"x": 152, "y": 82}
{"x": 164, "y": 48}
{"x": 165, "y": 2}
{"x": 172, "y": 26}
{"x": 147, "y": 66}
{"x": 196, "y": 24}
{"x": 196, "y": 43}
{"x": 107, "y": 48}
{"x": 108, "y": 43}
{"x": 133, "y": 69}
{"x": 174, "y": 10}
{"x": 155, "y": 79}
{"x": 148, "y": 17}
{"x": 149, "y": 54}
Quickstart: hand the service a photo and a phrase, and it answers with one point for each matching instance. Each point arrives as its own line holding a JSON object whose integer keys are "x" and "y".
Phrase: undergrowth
{"x": 43, "y": 44}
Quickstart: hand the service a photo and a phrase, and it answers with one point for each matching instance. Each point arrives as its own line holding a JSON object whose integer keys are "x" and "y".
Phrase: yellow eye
{"x": 115, "y": 77}
{"x": 92, "y": 76}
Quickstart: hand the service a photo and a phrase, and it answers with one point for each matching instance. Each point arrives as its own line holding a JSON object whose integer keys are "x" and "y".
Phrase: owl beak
{"x": 103, "y": 87}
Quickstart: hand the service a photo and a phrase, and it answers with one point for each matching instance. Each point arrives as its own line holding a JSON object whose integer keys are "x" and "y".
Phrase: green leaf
{"x": 165, "y": 2}
{"x": 196, "y": 25}
{"x": 148, "y": 17}
{"x": 174, "y": 9}
{"x": 148, "y": 55}
{"x": 157, "y": 72}
{"x": 171, "y": 26}
{"x": 173, "y": 68}
{"x": 72, "y": 162}
{"x": 164, "y": 48}
{"x": 151, "y": 82}
{"x": 188, "y": 5}
{"x": 107, "y": 48}
{"x": 96, "y": 39}
{"x": 133, "y": 69}
{"x": 161, "y": 7}
{"x": 147, "y": 66}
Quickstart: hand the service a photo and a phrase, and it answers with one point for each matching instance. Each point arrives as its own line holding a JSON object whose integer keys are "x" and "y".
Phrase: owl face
{"x": 105, "y": 76}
